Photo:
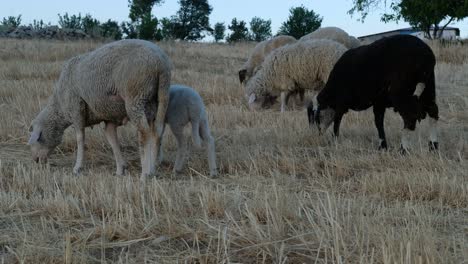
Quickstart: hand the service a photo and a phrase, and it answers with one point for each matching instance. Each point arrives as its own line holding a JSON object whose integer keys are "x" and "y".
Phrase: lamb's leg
{"x": 210, "y": 145}
{"x": 196, "y": 133}
{"x": 111, "y": 136}
{"x": 80, "y": 143}
{"x": 181, "y": 148}
{"x": 379, "y": 113}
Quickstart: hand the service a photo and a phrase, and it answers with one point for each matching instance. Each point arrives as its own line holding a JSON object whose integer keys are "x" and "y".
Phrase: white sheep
{"x": 186, "y": 106}
{"x": 120, "y": 81}
{"x": 333, "y": 33}
{"x": 259, "y": 53}
{"x": 304, "y": 65}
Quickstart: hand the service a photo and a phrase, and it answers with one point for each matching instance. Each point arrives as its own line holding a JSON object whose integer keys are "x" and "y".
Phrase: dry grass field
{"x": 284, "y": 195}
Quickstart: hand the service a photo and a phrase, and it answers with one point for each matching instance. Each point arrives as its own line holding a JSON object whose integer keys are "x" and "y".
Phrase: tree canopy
{"x": 260, "y": 29}
{"x": 192, "y": 20}
{"x": 219, "y": 31}
{"x": 301, "y": 21}
{"x": 430, "y": 16}
{"x": 239, "y": 31}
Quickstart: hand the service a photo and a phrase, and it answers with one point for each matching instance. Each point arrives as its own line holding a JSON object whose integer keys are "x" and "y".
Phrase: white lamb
{"x": 304, "y": 65}
{"x": 333, "y": 33}
{"x": 120, "y": 81}
{"x": 186, "y": 106}
{"x": 259, "y": 53}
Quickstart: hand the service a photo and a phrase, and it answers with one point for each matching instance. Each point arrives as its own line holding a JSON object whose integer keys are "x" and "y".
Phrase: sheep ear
{"x": 252, "y": 98}
{"x": 35, "y": 136}
{"x": 242, "y": 74}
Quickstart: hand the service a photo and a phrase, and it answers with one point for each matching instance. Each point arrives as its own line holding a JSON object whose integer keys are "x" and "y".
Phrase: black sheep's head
{"x": 320, "y": 115}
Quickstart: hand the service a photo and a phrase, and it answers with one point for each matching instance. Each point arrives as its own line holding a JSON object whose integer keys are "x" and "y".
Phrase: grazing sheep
{"x": 259, "y": 53}
{"x": 304, "y": 65}
{"x": 396, "y": 72}
{"x": 333, "y": 33}
{"x": 186, "y": 106}
{"x": 120, "y": 81}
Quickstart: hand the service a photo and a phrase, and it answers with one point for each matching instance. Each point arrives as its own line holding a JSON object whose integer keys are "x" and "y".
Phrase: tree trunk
{"x": 427, "y": 32}
{"x": 441, "y": 31}
{"x": 435, "y": 31}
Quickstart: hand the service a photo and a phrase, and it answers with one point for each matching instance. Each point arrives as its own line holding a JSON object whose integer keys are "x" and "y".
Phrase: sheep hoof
{"x": 122, "y": 170}
{"x": 433, "y": 146}
{"x": 77, "y": 171}
{"x": 383, "y": 145}
{"x": 145, "y": 176}
{"x": 178, "y": 173}
{"x": 214, "y": 173}
{"x": 403, "y": 151}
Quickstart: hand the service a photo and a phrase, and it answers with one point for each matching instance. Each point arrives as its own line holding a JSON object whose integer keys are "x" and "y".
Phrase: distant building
{"x": 449, "y": 33}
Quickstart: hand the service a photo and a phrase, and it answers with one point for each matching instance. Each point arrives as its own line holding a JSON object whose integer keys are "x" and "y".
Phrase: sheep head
{"x": 258, "y": 94}
{"x": 46, "y": 134}
{"x": 320, "y": 115}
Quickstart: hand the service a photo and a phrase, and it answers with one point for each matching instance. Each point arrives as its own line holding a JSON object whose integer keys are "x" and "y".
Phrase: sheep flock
{"x": 312, "y": 150}
{"x": 130, "y": 81}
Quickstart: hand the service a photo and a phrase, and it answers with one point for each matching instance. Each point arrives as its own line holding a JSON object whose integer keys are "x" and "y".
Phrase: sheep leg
{"x": 409, "y": 127}
{"x": 111, "y": 136}
{"x": 288, "y": 95}
{"x": 147, "y": 138}
{"x": 336, "y": 123}
{"x": 80, "y": 143}
{"x": 160, "y": 150}
{"x": 433, "y": 112}
{"x": 147, "y": 141}
{"x": 379, "y": 113}
{"x": 210, "y": 145}
{"x": 196, "y": 133}
{"x": 164, "y": 83}
{"x": 181, "y": 149}
{"x": 284, "y": 101}
{"x": 301, "y": 94}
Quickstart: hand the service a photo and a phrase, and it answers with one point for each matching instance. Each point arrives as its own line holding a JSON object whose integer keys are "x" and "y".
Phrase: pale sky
{"x": 333, "y": 12}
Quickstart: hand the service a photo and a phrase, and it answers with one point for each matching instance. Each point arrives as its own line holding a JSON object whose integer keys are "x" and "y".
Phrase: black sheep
{"x": 396, "y": 72}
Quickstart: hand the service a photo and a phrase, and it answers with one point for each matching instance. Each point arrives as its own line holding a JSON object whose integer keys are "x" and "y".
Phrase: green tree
{"x": 71, "y": 22}
{"x": 129, "y": 29}
{"x": 219, "y": 31}
{"x": 429, "y": 16}
{"x": 143, "y": 24}
{"x": 239, "y": 31}
{"x": 147, "y": 29}
{"x": 111, "y": 30}
{"x": 141, "y": 8}
{"x": 11, "y": 21}
{"x": 301, "y": 21}
{"x": 192, "y": 20}
{"x": 260, "y": 29}
{"x": 91, "y": 26}
{"x": 38, "y": 24}
{"x": 167, "y": 28}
